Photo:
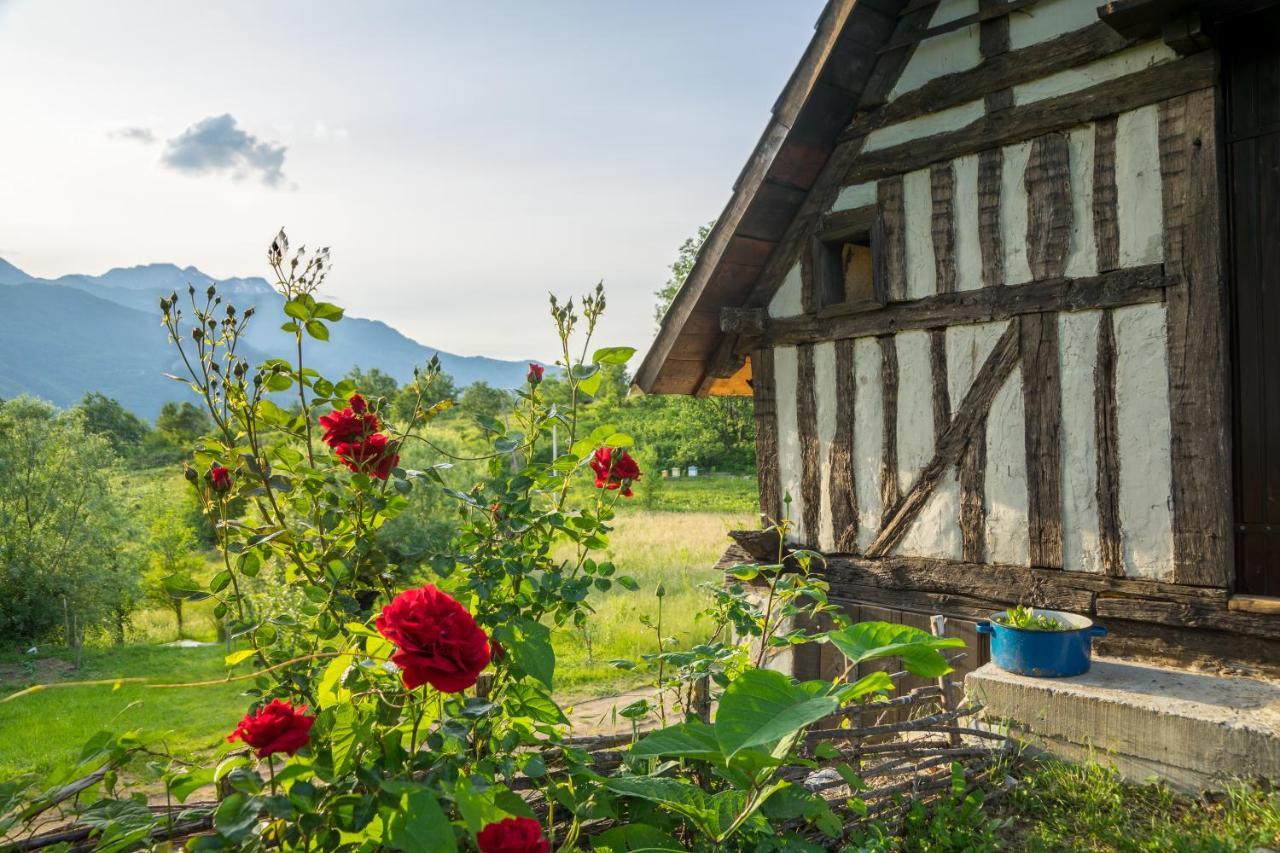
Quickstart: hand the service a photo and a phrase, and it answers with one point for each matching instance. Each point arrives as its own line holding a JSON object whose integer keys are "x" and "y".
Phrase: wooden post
{"x": 938, "y": 625}
{"x": 702, "y": 698}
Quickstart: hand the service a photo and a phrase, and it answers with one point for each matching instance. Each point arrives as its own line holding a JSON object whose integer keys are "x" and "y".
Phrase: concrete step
{"x": 1194, "y": 730}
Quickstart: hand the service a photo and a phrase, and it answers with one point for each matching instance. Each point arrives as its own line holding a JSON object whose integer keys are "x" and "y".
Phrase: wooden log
{"x": 1128, "y": 286}
{"x": 1186, "y": 615}
{"x": 889, "y": 407}
{"x": 993, "y": 43}
{"x": 948, "y": 445}
{"x": 840, "y": 486}
{"x": 973, "y": 501}
{"x": 1042, "y": 405}
{"x": 893, "y": 233}
{"x": 942, "y": 180}
{"x": 1106, "y": 219}
{"x": 1199, "y": 381}
{"x": 1108, "y": 453}
{"x": 807, "y": 424}
{"x": 764, "y": 394}
{"x": 990, "y": 237}
{"x": 1141, "y": 88}
{"x": 810, "y": 287}
{"x": 889, "y": 65}
{"x": 1049, "y": 214}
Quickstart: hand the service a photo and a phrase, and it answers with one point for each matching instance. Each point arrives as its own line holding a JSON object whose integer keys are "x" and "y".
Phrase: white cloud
{"x": 217, "y": 144}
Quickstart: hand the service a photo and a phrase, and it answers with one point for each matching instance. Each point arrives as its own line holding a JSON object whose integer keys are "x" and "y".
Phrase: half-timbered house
{"x": 1003, "y": 278}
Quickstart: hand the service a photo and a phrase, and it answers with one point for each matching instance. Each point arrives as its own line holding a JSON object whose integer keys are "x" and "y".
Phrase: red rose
{"x": 345, "y": 426}
{"x": 277, "y": 727}
{"x": 535, "y": 373}
{"x": 615, "y": 469}
{"x": 357, "y": 404}
{"x": 437, "y": 642}
{"x": 513, "y": 835}
{"x": 375, "y": 455}
{"x": 219, "y": 478}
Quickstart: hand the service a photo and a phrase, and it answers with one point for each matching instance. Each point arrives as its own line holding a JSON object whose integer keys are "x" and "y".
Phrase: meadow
{"x": 676, "y": 545}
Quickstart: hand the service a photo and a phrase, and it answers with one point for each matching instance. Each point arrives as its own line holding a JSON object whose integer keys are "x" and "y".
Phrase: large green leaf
{"x": 693, "y": 739}
{"x": 635, "y": 838}
{"x": 613, "y": 355}
{"x": 419, "y": 824}
{"x": 762, "y": 707}
{"x": 683, "y": 798}
{"x": 919, "y": 650}
{"x": 529, "y": 642}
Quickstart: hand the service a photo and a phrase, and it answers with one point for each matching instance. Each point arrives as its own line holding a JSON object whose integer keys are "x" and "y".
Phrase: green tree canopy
{"x": 373, "y": 383}
{"x": 482, "y": 399}
{"x": 105, "y": 416}
{"x": 183, "y": 422}
{"x": 686, "y": 256}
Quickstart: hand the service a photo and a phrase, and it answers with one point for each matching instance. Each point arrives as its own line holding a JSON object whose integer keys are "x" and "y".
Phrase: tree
{"x": 685, "y": 259}
{"x": 373, "y": 383}
{"x": 182, "y": 422}
{"x": 482, "y": 399}
{"x": 173, "y": 561}
{"x": 63, "y": 532}
{"x": 105, "y": 416}
{"x": 434, "y": 386}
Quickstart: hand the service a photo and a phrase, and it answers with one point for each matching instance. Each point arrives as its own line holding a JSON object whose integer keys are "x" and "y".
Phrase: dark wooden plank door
{"x": 1251, "y": 54}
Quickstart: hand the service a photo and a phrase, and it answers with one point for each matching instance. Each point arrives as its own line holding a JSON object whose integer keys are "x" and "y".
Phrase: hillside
{"x": 60, "y": 338}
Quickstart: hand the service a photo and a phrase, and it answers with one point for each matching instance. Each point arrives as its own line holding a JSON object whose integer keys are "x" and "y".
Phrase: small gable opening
{"x": 845, "y": 272}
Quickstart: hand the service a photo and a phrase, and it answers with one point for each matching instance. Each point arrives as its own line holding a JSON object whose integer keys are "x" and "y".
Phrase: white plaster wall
{"x": 1049, "y": 18}
{"x": 967, "y": 349}
{"x": 824, "y": 370}
{"x": 1013, "y": 213}
{"x": 1082, "y": 259}
{"x": 1112, "y": 67}
{"x": 929, "y": 124}
{"x": 785, "y": 367}
{"x": 855, "y": 196}
{"x": 1143, "y": 437}
{"x": 936, "y": 531}
{"x": 1139, "y": 204}
{"x": 1077, "y": 357}
{"x": 945, "y": 54}
{"x": 965, "y": 216}
{"x": 868, "y": 437}
{"x": 917, "y": 200}
{"x": 915, "y": 406}
{"x": 787, "y": 301}
{"x": 1006, "y": 481}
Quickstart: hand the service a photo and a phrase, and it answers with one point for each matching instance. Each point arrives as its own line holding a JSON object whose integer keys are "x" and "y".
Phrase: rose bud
{"x": 219, "y": 478}
{"x": 277, "y": 727}
{"x": 535, "y": 373}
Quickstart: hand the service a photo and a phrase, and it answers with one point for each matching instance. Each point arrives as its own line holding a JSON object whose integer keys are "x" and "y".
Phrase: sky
{"x": 461, "y": 159}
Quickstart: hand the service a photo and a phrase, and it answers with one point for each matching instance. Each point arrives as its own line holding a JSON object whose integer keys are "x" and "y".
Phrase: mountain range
{"x": 63, "y": 337}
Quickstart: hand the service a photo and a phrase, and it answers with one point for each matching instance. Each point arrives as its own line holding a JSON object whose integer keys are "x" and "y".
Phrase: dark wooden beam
{"x": 942, "y": 189}
{"x": 1106, "y": 436}
{"x": 1199, "y": 381}
{"x": 1049, "y": 214}
{"x": 1128, "y": 286}
{"x": 973, "y": 500}
{"x": 990, "y": 237}
{"x": 1106, "y": 217}
{"x": 893, "y": 225}
{"x": 1141, "y": 88}
{"x": 1042, "y": 405}
{"x": 840, "y": 463}
{"x": 889, "y": 487}
{"x": 768, "y": 480}
{"x": 986, "y": 13}
{"x": 807, "y": 425}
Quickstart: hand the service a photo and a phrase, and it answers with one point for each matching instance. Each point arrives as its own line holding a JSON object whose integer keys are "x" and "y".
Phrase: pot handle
{"x": 984, "y": 627}
{"x": 1097, "y": 631}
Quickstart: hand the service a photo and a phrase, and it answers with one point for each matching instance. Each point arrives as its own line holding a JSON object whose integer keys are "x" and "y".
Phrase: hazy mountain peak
{"x": 9, "y": 274}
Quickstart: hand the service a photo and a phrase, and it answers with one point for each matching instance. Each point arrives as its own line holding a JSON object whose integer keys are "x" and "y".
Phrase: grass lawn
{"x": 42, "y": 730}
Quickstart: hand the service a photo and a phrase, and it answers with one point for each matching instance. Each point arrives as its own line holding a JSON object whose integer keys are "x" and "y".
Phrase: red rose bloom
{"x": 375, "y": 455}
{"x": 219, "y": 478}
{"x": 277, "y": 727}
{"x": 437, "y": 642}
{"x": 513, "y": 835}
{"x": 615, "y": 469}
{"x": 357, "y": 404}
{"x": 346, "y": 426}
{"x": 535, "y": 373}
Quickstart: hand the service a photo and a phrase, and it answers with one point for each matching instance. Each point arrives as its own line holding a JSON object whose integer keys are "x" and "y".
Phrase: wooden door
{"x": 1251, "y": 54}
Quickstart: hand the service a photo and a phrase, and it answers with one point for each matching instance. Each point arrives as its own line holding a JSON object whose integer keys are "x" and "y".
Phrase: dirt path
{"x": 600, "y": 717}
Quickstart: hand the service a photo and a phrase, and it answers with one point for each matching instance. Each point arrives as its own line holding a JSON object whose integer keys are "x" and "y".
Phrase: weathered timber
{"x": 765, "y": 397}
{"x": 1049, "y": 215}
{"x": 1000, "y": 70}
{"x": 809, "y": 284}
{"x": 1042, "y": 404}
{"x": 807, "y": 424}
{"x": 973, "y": 500}
{"x": 889, "y": 406}
{"x": 938, "y": 371}
{"x": 842, "y": 224}
{"x": 948, "y": 445}
{"x": 1106, "y": 220}
{"x": 840, "y": 485}
{"x": 889, "y": 65}
{"x": 1187, "y": 615}
{"x": 986, "y": 13}
{"x": 1108, "y": 452}
{"x": 1179, "y": 646}
{"x": 942, "y": 187}
{"x": 990, "y": 169}
{"x": 893, "y": 226}
{"x": 742, "y": 321}
{"x": 1128, "y": 286}
{"x": 1199, "y": 383}
{"x": 1148, "y": 86}
{"x": 993, "y": 42}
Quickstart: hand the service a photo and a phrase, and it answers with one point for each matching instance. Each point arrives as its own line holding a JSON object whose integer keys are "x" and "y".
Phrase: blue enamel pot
{"x": 1043, "y": 654}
